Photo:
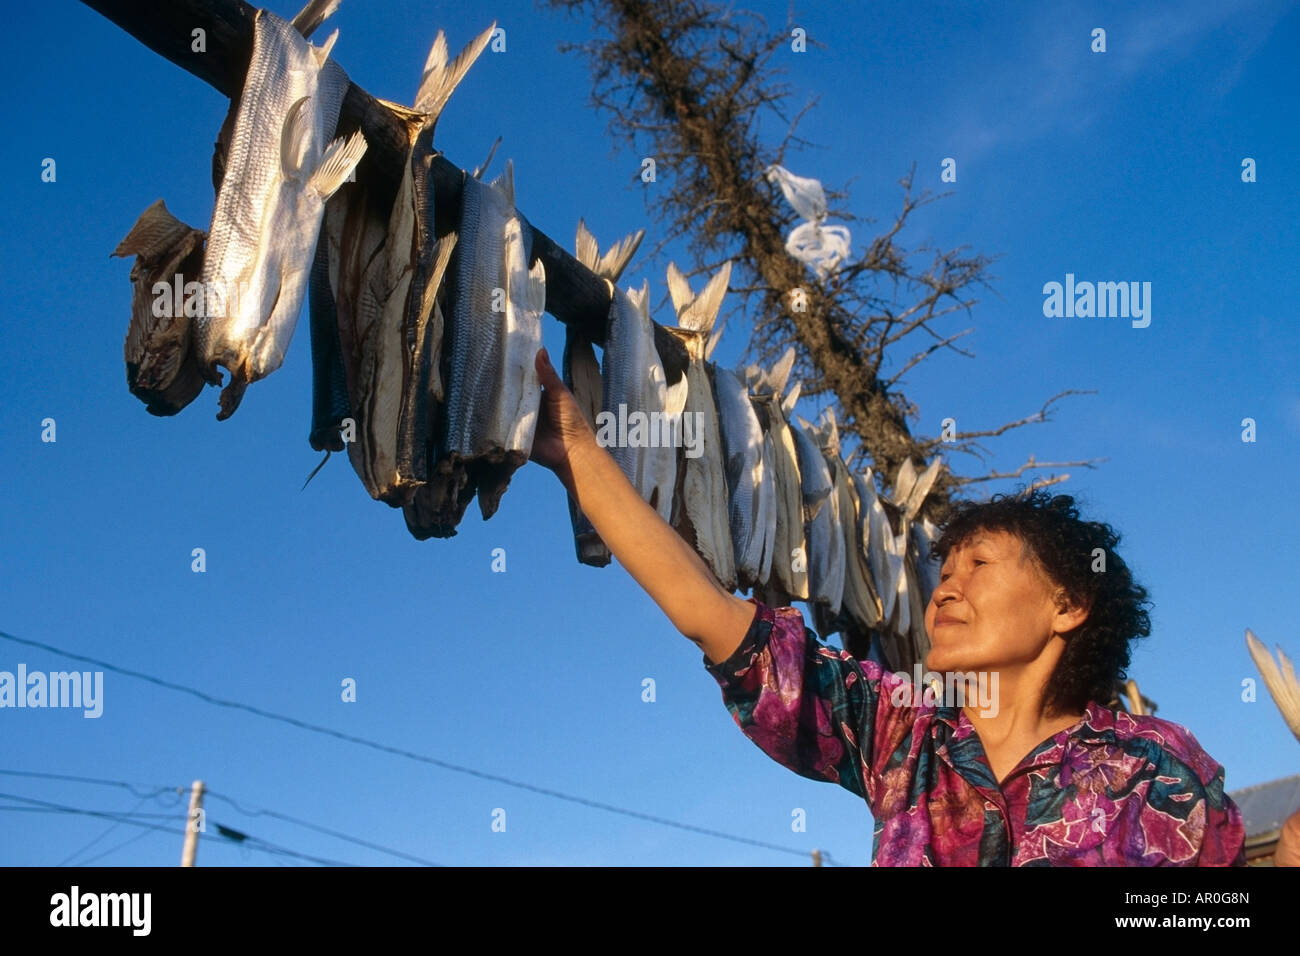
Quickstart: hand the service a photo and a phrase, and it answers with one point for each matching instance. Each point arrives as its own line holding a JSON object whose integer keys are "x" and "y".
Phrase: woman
{"x": 1029, "y": 595}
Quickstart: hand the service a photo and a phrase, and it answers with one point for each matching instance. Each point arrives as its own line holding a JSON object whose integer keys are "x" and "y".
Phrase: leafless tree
{"x": 687, "y": 83}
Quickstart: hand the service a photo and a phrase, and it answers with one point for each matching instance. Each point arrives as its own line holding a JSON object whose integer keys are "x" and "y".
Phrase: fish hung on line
{"x": 789, "y": 574}
{"x": 387, "y": 271}
{"x": 825, "y": 530}
{"x": 495, "y": 332}
{"x": 701, "y": 512}
{"x": 640, "y": 420}
{"x": 749, "y": 508}
{"x": 581, "y": 372}
{"x": 161, "y": 368}
{"x": 278, "y": 173}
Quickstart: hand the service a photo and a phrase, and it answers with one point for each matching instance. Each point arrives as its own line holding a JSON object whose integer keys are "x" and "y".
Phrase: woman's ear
{"x": 1069, "y": 615}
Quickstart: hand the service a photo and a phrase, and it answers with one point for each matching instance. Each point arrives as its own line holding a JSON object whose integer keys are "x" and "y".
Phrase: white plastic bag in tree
{"x": 812, "y": 243}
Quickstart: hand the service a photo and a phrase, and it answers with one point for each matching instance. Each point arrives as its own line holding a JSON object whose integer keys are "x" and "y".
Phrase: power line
{"x": 219, "y": 796}
{"x": 134, "y": 788}
{"x": 139, "y": 836}
{"x": 407, "y": 754}
{"x": 254, "y": 843}
{"x": 320, "y": 829}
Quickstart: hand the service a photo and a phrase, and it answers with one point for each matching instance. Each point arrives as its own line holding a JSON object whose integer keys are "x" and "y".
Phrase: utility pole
{"x": 192, "y": 824}
{"x": 817, "y": 857}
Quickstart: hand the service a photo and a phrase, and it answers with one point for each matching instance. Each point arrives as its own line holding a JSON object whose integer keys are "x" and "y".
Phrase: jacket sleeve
{"x": 1224, "y": 842}
{"x": 811, "y": 708}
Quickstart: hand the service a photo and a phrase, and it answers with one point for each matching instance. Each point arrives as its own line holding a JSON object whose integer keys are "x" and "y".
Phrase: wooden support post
{"x": 574, "y": 294}
{"x": 191, "y": 849}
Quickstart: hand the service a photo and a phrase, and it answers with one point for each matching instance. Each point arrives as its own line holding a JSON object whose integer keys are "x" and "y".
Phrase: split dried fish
{"x": 742, "y": 446}
{"x": 161, "y": 368}
{"x": 278, "y": 174}
{"x": 582, "y": 373}
{"x": 645, "y": 412}
{"x": 824, "y": 528}
{"x": 701, "y": 509}
{"x": 495, "y": 333}
{"x": 861, "y": 604}
{"x": 789, "y": 572}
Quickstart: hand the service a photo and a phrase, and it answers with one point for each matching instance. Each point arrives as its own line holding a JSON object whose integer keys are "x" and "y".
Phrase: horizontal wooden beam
{"x": 574, "y": 294}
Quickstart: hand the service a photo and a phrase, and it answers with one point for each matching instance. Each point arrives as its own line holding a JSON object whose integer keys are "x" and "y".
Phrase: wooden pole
{"x": 191, "y": 849}
{"x": 1135, "y": 699}
{"x": 574, "y": 294}
{"x": 817, "y": 857}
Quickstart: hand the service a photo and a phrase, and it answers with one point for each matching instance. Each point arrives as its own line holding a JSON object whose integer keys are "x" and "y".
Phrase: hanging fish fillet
{"x": 826, "y": 536}
{"x": 924, "y": 535}
{"x": 386, "y": 270}
{"x": 495, "y": 332}
{"x": 161, "y": 368}
{"x": 822, "y": 520}
{"x": 278, "y": 175}
{"x": 790, "y": 547}
{"x": 701, "y": 511}
{"x": 861, "y": 602}
{"x": 582, "y": 373}
{"x": 644, "y": 413}
{"x": 742, "y": 447}
{"x": 875, "y": 527}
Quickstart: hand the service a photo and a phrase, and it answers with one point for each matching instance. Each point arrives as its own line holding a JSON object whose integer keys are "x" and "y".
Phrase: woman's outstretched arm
{"x": 652, "y": 552}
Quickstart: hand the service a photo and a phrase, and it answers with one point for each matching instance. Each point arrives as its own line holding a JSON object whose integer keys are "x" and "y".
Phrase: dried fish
{"x": 789, "y": 572}
{"x": 825, "y": 531}
{"x": 161, "y": 368}
{"x": 495, "y": 333}
{"x": 701, "y": 508}
{"x": 582, "y": 372}
{"x": 277, "y": 176}
{"x": 742, "y": 447}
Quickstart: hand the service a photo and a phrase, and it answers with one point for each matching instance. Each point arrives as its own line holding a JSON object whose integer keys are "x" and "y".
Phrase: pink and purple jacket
{"x": 1115, "y": 789}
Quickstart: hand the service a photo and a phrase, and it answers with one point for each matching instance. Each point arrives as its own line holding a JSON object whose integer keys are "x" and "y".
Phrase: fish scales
{"x": 278, "y": 174}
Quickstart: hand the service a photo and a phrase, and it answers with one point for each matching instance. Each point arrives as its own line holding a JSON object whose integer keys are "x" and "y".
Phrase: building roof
{"x": 1265, "y": 805}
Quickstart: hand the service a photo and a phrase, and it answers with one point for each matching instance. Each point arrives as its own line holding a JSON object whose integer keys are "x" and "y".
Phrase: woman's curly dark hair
{"x": 1064, "y": 547}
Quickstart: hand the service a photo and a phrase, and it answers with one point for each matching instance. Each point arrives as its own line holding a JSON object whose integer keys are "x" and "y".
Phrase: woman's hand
{"x": 561, "y": 428}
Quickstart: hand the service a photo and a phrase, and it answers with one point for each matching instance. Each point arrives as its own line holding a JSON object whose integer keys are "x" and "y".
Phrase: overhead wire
{"x": 406, "y": 754}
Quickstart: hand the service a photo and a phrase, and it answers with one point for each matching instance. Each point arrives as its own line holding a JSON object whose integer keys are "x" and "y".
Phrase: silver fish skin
{"x": 496, "y": 329}
{"x": 742, "y": 445}
{"x": 522, "y": 389}
{"x": 477, "y": 330}
{"x": 278, "y": 174}
{"x": 924, "y": 535}
{"x": 825, "y": 529}
{"x": 874, "y": 528}
{"x": 632, "y": 377}
{"x": 581, "y": 372}
{"x": 701, "y": 512}
{"x": 861, "y": 603}
{"x": 789, "y": 572}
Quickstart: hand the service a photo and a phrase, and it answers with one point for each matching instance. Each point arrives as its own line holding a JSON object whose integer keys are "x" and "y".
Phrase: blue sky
{"x": 1116, "y": 166}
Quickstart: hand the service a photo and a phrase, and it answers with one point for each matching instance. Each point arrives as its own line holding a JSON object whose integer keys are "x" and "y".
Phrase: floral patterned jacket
{"x": 1115, "y": 789}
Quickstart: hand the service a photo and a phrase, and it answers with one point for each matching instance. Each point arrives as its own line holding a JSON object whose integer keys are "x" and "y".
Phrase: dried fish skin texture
{"x": 161, "y": 367}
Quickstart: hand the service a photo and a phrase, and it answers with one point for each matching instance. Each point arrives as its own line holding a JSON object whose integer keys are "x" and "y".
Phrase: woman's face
{"x": 993, "y": 607}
